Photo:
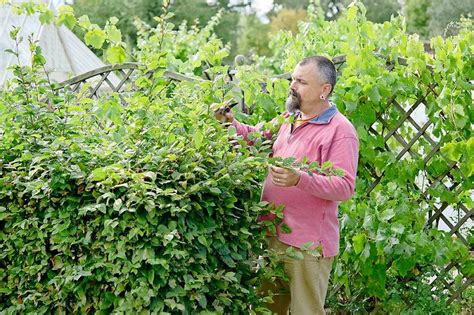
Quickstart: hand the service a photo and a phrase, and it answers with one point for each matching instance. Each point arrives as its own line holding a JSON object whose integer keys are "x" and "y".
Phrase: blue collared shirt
{"x": 325, "y": 117}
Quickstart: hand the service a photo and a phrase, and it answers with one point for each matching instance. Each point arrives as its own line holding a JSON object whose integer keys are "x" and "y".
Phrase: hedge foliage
{"x": 142, "y": 207}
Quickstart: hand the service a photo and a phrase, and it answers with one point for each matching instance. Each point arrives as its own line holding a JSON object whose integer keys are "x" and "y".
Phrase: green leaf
{"x": 468, "y": 269}
{"x": 366, "y": 252}
{"x": 84, "y": 22}
{"x": 285, "y": 229}
{"x": 203, "y": 240}
{"x": 202, "y": 300}
{"x": 231, "y": 131}
{"x": 245, "y": 231}
{"x": 317, "y": 252}
{"x": 339, "y": 172}
{"x": 95, "y": 38}
{"x": 117, "y": 204}
{"x": 374, "y": 94}
{"x": 113, "y": 33}
{"x": 358, "y": 241}
{"x": 97, "y": 175}
{"x": 307, "y": 245}
{"x": 46, "y": 17}
{"x": 387, "y": 215}
{"x": 66, "y": 16}
{"x": 294, "y": 253}
{"x": 215, "y": 190}
{"x": 198, "y": 139}
{"x": 403, "y": 265}
{"x": 326, "y": 165}
{"x": 398, "y": 228}
{"x": 113, "y": 20}
{"x": 67, "y": 19}
{"x": 453, "y": 151}
{"x": 228, "y": 261}
{"x": 116, "y": 55}
{"x": 65, "y": 9}
{"x": 107, "y": 300}
{"x": 368, "y": 115}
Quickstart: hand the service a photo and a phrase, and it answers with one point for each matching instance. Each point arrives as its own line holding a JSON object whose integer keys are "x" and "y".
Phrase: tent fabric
{"x": 66, "y": 55}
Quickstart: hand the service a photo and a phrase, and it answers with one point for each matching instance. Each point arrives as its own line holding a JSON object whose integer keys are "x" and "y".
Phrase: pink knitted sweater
{"x": 311, "y": 207}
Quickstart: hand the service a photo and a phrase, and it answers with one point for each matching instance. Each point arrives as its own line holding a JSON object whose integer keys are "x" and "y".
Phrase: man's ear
{"x": 327, "y": 87}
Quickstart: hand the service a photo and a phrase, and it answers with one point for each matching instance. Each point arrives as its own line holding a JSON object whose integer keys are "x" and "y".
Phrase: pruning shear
{"x": 229, "y": 107}
{"x": 226, "y": 108}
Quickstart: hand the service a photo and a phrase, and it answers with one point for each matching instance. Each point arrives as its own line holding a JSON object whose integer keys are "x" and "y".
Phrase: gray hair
{"x": 325, "y": 68}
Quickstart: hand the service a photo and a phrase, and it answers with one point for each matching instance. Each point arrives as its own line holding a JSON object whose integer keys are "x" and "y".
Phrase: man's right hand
{"x": 224, "y": 114}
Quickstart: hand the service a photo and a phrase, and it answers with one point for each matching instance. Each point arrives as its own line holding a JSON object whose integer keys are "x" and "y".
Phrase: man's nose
{"x": 293, "y": 86}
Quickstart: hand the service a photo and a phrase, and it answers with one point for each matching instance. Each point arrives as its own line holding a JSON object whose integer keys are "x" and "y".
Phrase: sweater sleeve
{"x": 244, "y": 130}
{"x": 343, "y": 153}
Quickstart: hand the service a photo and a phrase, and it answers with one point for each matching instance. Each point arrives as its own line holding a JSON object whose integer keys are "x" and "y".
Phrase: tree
{"x": 380, "y": 11}
{"x": 331, "y": 8}
{"x": 377, "y": 10}
{"x": 443, "y": 12}
{"x": 200, "y": 10}
{"x": 126, "y": 11}
{"x": 291, "y": 4}
{"x": 417, "y": 18}
{"x": 253, "y": 35}
{"x": 192, "y": 11}
{"x": 287, "y": 19}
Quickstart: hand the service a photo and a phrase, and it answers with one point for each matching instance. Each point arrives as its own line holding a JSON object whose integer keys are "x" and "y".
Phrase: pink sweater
{"x": 311, "y": 206}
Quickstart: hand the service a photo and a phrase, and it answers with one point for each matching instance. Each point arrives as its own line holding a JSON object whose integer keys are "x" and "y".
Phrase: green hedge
{"x": 143, "y": 207}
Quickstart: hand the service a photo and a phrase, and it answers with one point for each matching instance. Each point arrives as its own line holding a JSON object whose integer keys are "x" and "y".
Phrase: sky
{"x": 262, "y": 6}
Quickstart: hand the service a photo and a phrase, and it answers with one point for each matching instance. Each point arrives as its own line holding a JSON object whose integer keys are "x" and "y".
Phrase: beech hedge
{"x": 143, "y": 207}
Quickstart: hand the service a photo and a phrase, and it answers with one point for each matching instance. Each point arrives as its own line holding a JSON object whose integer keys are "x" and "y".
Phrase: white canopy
{"x": 66, "y": 55}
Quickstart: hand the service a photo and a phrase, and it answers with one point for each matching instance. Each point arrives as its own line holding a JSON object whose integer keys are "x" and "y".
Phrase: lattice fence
{"x": 404, "y": 127}
{"x": 409, "y": 119}
{"x": 113, "y": 78}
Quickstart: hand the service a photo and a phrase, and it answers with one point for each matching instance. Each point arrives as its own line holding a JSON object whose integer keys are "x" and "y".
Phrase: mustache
{"x": 293, "y": 93}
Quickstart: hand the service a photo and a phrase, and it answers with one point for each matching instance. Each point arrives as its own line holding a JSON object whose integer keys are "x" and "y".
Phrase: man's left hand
{"x": 284, "y": 176}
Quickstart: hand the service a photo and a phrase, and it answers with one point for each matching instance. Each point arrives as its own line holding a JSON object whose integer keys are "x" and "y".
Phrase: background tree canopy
{"x": 246, "y": 32}
{"x": 192, "y": 12}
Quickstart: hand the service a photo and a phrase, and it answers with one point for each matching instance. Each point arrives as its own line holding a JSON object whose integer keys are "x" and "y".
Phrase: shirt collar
{"x": 326, "y": 116}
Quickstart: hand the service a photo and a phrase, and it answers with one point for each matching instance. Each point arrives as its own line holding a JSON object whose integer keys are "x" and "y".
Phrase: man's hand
{"x": 284, "y": 177}
{"x": 223, "y": 113}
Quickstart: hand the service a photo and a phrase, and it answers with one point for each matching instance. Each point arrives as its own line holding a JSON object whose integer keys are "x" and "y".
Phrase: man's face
{"x": 305, "y": 88}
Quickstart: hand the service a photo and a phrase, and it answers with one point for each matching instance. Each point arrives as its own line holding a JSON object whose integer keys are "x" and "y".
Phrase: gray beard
{"x": 293, "y": 103}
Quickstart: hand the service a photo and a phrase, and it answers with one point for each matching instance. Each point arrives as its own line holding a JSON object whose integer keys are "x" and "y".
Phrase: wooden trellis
{"x": 395, "y": 118}
{"x": 112, "y": 78}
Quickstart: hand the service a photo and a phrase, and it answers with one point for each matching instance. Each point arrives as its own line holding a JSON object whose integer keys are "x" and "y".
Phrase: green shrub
{"x": 105, "y": 207}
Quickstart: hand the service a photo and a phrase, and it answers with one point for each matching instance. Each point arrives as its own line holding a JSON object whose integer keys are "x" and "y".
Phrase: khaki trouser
{"x": 306, "y": 291}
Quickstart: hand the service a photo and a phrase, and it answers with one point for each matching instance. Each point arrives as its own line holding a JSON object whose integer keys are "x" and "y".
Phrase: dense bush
{"x": 107, "y": 207}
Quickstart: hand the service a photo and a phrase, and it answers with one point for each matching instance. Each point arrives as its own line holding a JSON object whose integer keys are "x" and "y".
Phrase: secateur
{"x": 227, "y": 106}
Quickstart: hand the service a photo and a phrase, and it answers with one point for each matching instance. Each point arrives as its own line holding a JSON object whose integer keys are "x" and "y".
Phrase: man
{"x": 322, "y": 134}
